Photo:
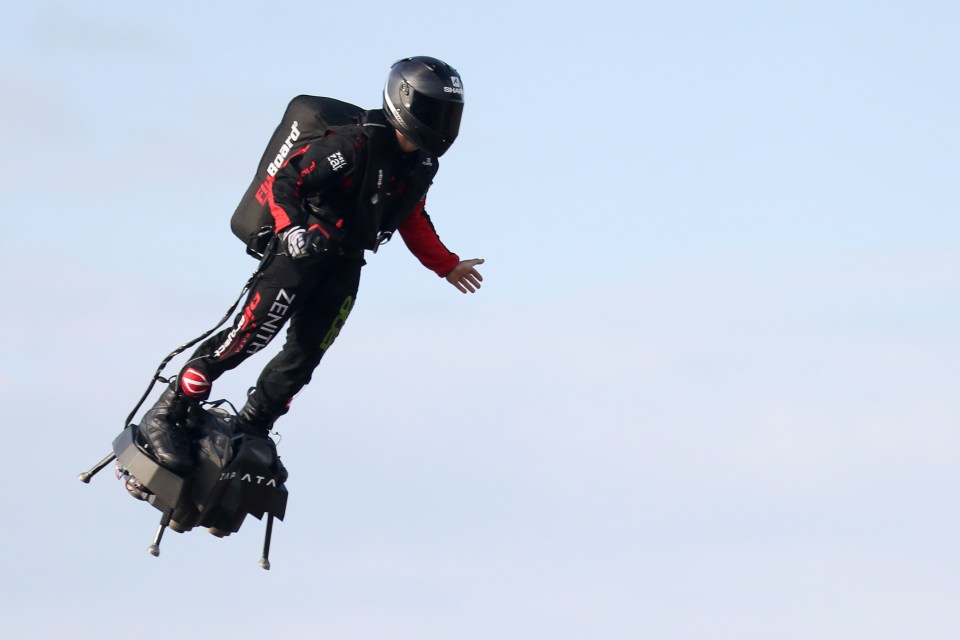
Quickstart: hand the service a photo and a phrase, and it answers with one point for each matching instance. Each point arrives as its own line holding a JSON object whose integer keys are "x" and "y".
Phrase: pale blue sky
{"x": 708, "y": 390}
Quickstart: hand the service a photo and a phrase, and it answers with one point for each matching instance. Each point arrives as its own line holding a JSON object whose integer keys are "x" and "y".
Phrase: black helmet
{"x": 423, "y": 100}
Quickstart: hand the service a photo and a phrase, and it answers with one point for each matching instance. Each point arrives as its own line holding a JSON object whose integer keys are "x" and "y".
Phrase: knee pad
{"x": 195, "y": 384}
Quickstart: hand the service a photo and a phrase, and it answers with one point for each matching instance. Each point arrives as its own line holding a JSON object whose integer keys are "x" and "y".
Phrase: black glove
{"x": 300, "y": 243}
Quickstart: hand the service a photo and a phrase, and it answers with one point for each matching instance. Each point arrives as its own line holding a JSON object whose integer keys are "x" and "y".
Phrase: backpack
{"x": 306, "y": 119}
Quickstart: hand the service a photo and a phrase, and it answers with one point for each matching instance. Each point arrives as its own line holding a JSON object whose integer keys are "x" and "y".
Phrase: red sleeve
{"x": 421, "y": 238}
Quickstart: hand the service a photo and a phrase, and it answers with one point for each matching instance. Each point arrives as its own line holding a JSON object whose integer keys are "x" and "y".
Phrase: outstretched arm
{"x": 465, "y": 277}
{"x": 421, "y": 238}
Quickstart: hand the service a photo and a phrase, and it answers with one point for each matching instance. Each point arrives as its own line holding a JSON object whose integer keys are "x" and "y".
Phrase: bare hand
{"x": 465, "y": 277}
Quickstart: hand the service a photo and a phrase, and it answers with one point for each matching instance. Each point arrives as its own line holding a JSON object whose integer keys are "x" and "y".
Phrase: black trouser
{"x": 314, "y": 294}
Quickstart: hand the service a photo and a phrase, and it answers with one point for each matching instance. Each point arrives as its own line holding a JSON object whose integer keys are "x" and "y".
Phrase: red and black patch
{"x": 195, "y": 384}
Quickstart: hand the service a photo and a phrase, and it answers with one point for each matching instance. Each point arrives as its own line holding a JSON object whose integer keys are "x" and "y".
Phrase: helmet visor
{"x": 440, "y": 116}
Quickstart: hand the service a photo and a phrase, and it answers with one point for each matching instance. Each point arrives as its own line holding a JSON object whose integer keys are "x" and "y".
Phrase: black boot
{"x": 165, "y": 432}
{"x": 254, "y": 419}
{"x": 257, "y": 416}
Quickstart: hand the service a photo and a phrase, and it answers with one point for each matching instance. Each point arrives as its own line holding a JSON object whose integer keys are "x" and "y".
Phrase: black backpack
{"x": 307, "y": 118}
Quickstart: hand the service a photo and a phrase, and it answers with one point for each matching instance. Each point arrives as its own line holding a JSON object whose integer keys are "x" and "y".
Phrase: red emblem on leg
{"x": 195, "y": 384}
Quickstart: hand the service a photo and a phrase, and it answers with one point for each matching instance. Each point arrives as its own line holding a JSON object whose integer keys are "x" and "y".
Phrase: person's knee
{"x": 337, "y": 324}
